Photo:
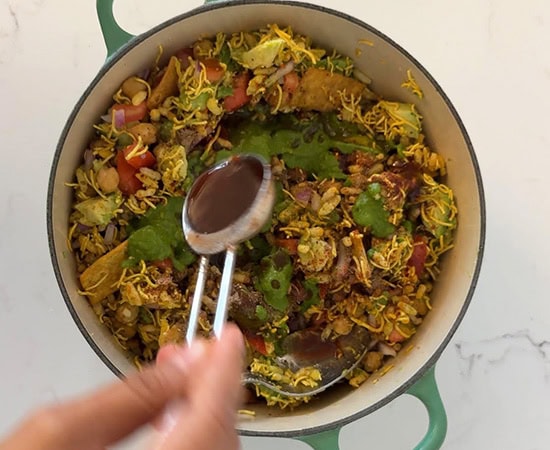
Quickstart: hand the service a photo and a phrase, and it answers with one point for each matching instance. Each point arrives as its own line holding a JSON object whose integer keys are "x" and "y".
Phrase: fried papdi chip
{"x": 167, "y": 86}
{"x": 320, "y": 90}
{"x": 100, "y": 279}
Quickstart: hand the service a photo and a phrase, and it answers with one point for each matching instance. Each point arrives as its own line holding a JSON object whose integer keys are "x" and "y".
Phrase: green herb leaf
{"x": 159, "y": 235}
{"x": 306, "y": 144}
{"x": 274, "y": 279}
{"x": 261, "y": 313}
{"x": 166, "y": 130}
{"x": 225, "y": 58}
{"x": 314, "y": 298}
{"x": 369, "y": 212}
{"x": 224, "y": 91}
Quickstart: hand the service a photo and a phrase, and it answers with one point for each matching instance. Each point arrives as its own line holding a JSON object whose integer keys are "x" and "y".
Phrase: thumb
{"x": 205, "y": 419}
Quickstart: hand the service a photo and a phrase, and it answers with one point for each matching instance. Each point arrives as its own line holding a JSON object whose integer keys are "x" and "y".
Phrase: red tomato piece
{"x": 323, "y": 290}
{"x": 128, "y": 183}
{"x": 396, "y": 336}
{"x": 239, "y": 97}
{"x": 213, "y": 68}
{"x": 132, "y": 113}
{"x": 164, "y": 264}
{"x": 256, "y": 342}
{"x": 419, "y": 255}
{"x": 146, "y": 159}
{"x": 290, "y": 245}
{"x": 290, "y": 82}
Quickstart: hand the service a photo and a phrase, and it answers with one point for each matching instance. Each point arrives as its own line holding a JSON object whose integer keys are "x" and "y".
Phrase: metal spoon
{"x": 306, "y": 349}
{"x": 227, "y": 204}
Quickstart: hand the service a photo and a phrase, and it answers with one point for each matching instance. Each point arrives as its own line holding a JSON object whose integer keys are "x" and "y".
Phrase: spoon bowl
{"x": 306, "y": 349}
{"x": 228, "y": 204}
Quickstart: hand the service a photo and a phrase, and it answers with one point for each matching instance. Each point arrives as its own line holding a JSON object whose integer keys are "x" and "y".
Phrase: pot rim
{"x": 135, "y": 41}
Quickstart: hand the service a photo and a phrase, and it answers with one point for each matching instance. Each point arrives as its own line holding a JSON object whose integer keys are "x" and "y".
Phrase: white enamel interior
{"x": 387, "y": 67}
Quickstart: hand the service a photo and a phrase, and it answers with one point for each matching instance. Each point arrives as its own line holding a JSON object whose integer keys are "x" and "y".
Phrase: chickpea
{"x": 342, "y": 325}
{"x": 131, "y": 86}
{"x": 123, "y": 330}
{"x": 373, "y": 361}
{"x": 127, "y": 314}
{"x": 147, "y": 132}
{"x": 107, "y": 179}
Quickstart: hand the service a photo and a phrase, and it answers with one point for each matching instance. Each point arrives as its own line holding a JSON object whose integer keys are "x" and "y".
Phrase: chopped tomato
{"x": 132, "y": 113}
{"x": 256, "y": 342}
{"x": 290, "y": 82}
{"x": 128, "y": 183}
{"x": 146, "y": 159}
{"x": 323, "y": 290}
{"x": 214, "y": 70}
{"x": 419, "y": 255}
{"x": 239, "y": 97}
{"x": 164, "y": 264}
{"x": 396, "y": 336}
{"x": 290, "y": 245}
{"x": 183, "y": 55}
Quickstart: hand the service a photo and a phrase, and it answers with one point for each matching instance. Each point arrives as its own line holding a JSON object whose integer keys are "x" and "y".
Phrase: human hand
{"x": 191, "y": 394}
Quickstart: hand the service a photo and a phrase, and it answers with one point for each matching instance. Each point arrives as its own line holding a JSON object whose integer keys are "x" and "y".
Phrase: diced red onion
{"x": 362, "y": 76}
{"x": 303, "y": 194}
{"x": 280, "y": 73}
{"x": 386, "y": 350}
{"x": 109, "y": 234}
{"x": 372, "y": 321}
{"x": 343, "y": 262}
{"x": 107, "y": 118}
{"x": 120, "y": 118}
{"x": 198, "y": 68}
{"x": 88, "y": 159}
{"x": 82, "y": 228}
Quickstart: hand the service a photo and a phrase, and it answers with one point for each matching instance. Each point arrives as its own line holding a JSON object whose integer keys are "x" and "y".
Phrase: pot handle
{"x": 114, "y": 36}
{"x": 427, "y": 392}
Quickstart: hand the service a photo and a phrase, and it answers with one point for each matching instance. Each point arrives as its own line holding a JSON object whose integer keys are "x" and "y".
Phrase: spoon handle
{"x": 197, "y": 300}
{"x": 225, "y": 290}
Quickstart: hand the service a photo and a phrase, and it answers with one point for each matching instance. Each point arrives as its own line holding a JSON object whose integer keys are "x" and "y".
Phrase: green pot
{"x": 386, "y": 63}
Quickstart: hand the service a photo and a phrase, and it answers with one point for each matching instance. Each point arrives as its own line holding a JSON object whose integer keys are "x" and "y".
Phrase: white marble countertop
{"x": 491, "y": 58}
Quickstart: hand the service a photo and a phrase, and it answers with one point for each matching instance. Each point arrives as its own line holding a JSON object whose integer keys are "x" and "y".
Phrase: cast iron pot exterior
{"x": 386, "y": 64}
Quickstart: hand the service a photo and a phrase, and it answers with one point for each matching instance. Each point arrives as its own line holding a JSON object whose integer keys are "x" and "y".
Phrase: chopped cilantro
{"x": 261, "y": 313}
{"x": 313, "y": 295}
{"x": 274, "y": 279}
{"x": 159, "y": 235}
{"x": 369, "y": 212}
{"x": 224, "y": 91}
{"x": 306, "y": 144}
